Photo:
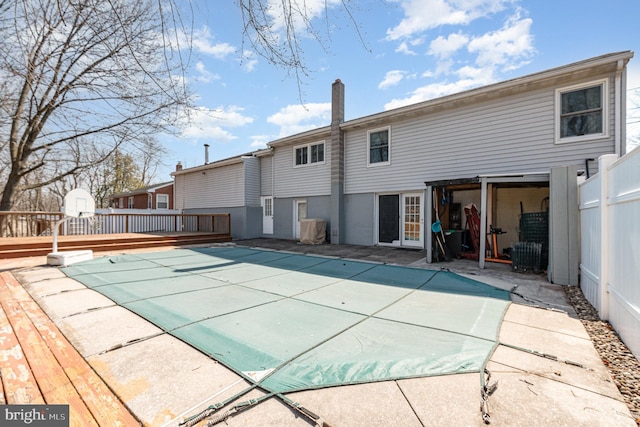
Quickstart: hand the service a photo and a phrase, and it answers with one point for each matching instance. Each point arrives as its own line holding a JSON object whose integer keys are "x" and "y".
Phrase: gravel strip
{"x": 622, "y": 364}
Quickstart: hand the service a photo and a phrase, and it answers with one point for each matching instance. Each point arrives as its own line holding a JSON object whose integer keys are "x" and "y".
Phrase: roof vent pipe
{"x": 206, "y": 154}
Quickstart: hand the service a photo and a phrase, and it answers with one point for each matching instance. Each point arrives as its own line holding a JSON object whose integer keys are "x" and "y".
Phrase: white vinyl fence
{"x": 610, "y": 244}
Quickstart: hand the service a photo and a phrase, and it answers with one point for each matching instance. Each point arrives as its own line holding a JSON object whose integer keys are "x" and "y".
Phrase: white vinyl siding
{"x": 266, "y": 175}
{"x": 251, "y": 181}
{"x": 513, "y": 134}
{"x": 220, "y": 187}
{"x": 301, "y": 181}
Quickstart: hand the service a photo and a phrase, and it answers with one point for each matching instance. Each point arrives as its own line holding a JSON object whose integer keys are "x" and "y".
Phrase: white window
{"x": 308, "y": 154}
{"x": 121, "y": 202}
{"x": 162, "y": 201}
{"x": 130, "y": 204}
{"x": 268, "y": 206}
{"x": 379, "y": 146}
{"x": 581, "y": 112}
{"x": 149, "y": 201}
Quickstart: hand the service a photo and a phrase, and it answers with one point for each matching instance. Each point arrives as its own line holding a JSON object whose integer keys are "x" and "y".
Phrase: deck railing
{"x": 27, "y": 224}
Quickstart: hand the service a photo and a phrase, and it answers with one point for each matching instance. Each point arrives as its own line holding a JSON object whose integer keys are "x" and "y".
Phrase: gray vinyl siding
{"x": 252, "y": 181}
{"x": 282, "y": 218}
{"x": 318, "y": 207}
{"x": 220, "y": 187}
{"x": 301, "y": 181}
{"x": 359, "y": 219}
{"x": 514, "y": 134}
{"x": 266, "y": 175}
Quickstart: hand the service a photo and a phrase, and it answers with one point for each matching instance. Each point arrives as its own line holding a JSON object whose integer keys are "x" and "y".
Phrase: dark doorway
{"x": 389, "y": 218}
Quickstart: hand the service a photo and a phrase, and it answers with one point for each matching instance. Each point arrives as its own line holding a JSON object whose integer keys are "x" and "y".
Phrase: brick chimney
{"x": 178, "y": 166}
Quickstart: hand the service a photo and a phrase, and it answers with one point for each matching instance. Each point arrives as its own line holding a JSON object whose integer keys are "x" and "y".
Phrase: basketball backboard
{"x": 79, "y": 203}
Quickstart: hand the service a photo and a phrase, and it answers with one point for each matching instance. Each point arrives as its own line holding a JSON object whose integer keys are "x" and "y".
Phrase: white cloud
{"x": 249, "y": 60}
{"x": 423, "y": 15}
{"x": 444, "y": 47}
{"x": 512, "y": 43}
{"x": 202, "y": 41}
{"x": 204, "y": 75}
{"x": 432, "y": 91}
{"x": 298, "y": 118}
{"x": 259, "y": 141}
{"x": 494, "y": 52}
{"x": 210, "y": 124}
{"x": 404, "y": 48}
{"x": 392, "y": 78}
{"x": 309, "y": 9}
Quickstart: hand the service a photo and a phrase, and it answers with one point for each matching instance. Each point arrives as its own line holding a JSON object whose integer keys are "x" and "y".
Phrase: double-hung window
{"x": 379, "y": 146}
{"x": 581, "y": 112}
{"x": 308, "y": 154}
{"x": 162, "y": 201}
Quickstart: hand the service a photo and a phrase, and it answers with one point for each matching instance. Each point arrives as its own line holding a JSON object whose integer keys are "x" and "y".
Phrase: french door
{"x": 400, "y": 219}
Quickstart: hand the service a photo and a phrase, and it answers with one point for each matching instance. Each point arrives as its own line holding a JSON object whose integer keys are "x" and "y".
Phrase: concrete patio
{"x": 547, "y": 370}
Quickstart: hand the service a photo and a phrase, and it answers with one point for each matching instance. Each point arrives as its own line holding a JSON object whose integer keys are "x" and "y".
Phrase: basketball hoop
{"x": 78, "y": 203}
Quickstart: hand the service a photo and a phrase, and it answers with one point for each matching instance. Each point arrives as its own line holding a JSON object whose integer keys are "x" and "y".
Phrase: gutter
{"x": 213, "y": 165}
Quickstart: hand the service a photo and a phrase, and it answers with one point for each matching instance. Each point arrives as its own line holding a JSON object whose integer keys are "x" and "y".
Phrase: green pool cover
{"x": 292, "y": 322}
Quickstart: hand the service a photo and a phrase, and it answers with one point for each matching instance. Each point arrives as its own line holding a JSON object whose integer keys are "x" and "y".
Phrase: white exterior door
{"x": 267, "y": 214}
{"x": 412, "y": 220}
{"x": 299, "y": 213}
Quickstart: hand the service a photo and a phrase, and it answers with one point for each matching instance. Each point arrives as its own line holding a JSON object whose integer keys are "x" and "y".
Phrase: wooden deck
{"x": 19, "y": 247}
{"x": 39, "y": 365}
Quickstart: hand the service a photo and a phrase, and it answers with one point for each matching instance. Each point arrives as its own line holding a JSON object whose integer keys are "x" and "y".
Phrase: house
{"x": 156, "y": 197}
{"x": 391, "y": 178}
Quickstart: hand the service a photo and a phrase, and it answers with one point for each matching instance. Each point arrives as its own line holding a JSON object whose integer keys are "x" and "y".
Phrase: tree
{"x": 80, "y": 80}
{"x": 118, "y": 174}
{"x": 77, "y": 78}
{"x": 275, "y": 29}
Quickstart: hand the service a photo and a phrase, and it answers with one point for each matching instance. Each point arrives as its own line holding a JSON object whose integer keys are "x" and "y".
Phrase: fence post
{"x": 603, "y": 169}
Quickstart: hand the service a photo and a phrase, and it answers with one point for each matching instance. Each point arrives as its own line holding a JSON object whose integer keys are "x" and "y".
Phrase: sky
{"x": 388, "y": 53}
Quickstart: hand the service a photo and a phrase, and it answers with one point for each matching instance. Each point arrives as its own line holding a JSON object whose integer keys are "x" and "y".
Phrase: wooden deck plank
{"x": 51, "y": 378}
{"x": 18, "y": 383}
{"x": 100, "y": 400}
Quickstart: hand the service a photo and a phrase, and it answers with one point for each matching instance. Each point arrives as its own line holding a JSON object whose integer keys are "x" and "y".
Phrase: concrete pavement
{"x": 547, "y": 369}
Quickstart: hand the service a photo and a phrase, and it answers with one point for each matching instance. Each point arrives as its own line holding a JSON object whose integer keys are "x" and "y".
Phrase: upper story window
{"x": 162, "y": 201}
{"x": 130, "y": 204}
{"x": 581, "y": 112}
{"x": 309, "y": 154}
{"x": 149, "y": 201}
{"x": 379, "y": 146}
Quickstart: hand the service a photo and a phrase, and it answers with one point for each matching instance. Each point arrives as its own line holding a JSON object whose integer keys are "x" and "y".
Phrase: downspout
{"x": 429, "y": 214}
{"x": 618, "y": 107}
{"x": 483, "y": 222}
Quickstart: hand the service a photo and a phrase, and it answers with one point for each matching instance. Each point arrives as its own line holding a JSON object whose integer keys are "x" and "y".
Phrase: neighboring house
{"x": 512, "y": 147}
{"x": 156, "y": 197}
